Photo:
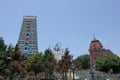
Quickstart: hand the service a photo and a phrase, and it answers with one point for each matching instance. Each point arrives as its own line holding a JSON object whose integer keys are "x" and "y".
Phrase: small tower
{"x": 27, "y": 42}
{"x": 95, "y": 46}
{"x": 96, "y": 50}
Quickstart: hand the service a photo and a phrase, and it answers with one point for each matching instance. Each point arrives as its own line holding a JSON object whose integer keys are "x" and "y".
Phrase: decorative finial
{"x": 94, "y": 36}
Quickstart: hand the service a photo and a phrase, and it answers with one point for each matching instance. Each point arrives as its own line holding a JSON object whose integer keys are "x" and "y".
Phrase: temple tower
{"x": 27, "y": 42}
{"x": 96, "y": 50}
{"x": 95, "y": 46}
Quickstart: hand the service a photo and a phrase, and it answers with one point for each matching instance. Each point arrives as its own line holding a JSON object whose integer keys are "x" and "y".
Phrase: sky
{"x": 71, "y": 23}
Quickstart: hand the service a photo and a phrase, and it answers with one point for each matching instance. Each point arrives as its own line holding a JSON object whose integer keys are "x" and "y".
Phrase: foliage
{"x": 49, "y": 62}
{"x": 77, "y": 64}
{"x": 17, "y": 65}
{"x": 82, "y": 61}
{"x": 10, "y": 48}
{"x": 17, "y": 54}
{"x": 105, "y": 63}
{"x": 4, "y": 50}
{"x": 36, "y": 61}
{"x": 3, "y": 47}
{"x": 18, "y": 68}
{"x": 65, "y": 63}
{"x": 46, "y": 53}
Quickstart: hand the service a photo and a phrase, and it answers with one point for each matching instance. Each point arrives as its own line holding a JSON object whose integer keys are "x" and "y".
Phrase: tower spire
{"x": 94, "y": 36}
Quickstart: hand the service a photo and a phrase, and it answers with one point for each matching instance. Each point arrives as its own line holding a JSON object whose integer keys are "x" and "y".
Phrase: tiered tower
{"x": 27, "y": 42}
{"x": 96, "y": 50}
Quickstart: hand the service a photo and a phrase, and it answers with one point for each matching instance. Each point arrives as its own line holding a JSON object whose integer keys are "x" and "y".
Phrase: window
{"x": 27, "y": 38}
{"x": 27, "y": 34}
{"x": 26, "y": 42}
{"x": 25, "y": 47}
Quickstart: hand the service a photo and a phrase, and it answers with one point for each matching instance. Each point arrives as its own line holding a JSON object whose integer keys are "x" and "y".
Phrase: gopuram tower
{"x": 27, "y": 42}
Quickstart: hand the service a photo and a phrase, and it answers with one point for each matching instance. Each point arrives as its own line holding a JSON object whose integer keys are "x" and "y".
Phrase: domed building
{"x": 96, "y": 50}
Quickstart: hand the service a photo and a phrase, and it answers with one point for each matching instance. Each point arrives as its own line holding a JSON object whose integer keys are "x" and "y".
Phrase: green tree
{"x": 82, "y": 62}
{"x": 3, "y": 51}
{"x": 105, "y": 63}
{"x": 10, "y": 49}
{"x": 36, "y": 62}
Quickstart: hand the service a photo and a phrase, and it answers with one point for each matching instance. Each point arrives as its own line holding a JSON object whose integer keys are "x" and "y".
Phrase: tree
{"x": 64, "y": 64}
{"x": 18, "y": 65}
{"x": 3, "y": 46}
{"x": 10, "y": 49}
{"x": 105, "y": 63}
{"x": 82, "y": 62}
{"x": 36, "y": 61}
{"x": 22, "y": 67}
{"x": 49, "y": 62}
{"x": 4, "y": 51}
{"x": 17, "y": 54}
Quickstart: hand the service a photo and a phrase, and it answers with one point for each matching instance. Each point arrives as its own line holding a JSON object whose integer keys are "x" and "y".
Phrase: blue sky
{"x": 70, "y": 22}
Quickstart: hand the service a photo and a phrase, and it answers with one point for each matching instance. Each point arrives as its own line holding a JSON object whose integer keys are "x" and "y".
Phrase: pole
{"x": 73, "y": 75}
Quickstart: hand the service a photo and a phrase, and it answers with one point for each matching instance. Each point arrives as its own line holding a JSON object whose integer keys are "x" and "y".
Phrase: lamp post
{"x": 73, "y": 68}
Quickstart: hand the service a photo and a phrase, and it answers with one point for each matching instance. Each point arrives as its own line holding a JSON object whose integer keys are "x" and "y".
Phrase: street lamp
{"x": 73, "y": 68}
